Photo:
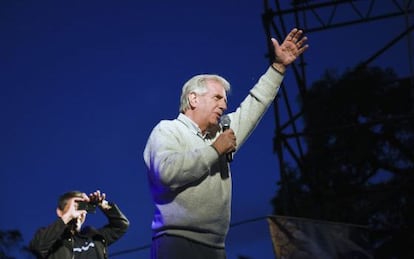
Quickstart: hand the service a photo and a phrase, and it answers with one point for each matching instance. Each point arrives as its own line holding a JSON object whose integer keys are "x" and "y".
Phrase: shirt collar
{"x": 191, "y": 125}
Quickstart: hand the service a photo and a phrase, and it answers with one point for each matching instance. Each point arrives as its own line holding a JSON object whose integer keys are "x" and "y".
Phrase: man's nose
{"x": 223, "y": 105}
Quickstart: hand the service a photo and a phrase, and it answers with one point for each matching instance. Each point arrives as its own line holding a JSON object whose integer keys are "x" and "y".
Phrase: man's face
{"x": 212, "y": 104}
{"x": 72, "y": 207}
{"x": 82, "y": 216}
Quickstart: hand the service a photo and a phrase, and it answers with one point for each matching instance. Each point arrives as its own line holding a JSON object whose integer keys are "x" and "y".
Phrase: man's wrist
{"x": 214, "y": 147}
{"x": 281, "y": 69}
{"x": 105, "y": 205}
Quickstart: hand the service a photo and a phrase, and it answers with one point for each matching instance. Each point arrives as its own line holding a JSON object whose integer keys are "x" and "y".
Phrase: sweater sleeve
{"x": 176, "y": 157}
{"x": 246, "y": 117}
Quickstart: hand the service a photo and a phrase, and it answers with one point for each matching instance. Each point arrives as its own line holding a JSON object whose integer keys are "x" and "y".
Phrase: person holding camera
{"x": 65, "y": 237}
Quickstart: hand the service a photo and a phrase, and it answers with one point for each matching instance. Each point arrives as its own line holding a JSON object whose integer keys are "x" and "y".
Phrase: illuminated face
{"x": 211, "y": 105}
{"x": 71, "y": 209}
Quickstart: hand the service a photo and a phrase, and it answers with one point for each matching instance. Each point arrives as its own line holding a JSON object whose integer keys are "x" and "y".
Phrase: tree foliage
{"x": 359, "y": 160}
{"x": 9, "y": 240}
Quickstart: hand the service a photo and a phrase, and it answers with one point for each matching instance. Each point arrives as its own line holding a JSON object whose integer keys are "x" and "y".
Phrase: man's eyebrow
{"x": 221, "y": 97}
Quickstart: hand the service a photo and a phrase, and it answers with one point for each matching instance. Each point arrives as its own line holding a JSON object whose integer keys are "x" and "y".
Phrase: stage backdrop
{"x": 295, "y": 238}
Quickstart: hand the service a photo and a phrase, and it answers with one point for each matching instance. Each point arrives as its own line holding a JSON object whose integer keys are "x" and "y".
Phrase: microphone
{"x": 225, "y": 125}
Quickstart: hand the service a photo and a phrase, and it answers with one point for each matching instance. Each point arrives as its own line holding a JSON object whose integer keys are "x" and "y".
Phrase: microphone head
{"x": 225, "y": 120}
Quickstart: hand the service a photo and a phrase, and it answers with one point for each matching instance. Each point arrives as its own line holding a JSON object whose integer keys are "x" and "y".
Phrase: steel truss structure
{"x": 318, "y": 16}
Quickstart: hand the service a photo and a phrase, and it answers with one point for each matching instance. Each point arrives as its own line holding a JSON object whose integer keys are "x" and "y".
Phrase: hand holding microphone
{"x": 226, "y": 142}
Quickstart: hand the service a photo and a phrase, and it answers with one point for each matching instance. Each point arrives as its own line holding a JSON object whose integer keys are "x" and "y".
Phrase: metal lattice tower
{"x": 309, "y": 16}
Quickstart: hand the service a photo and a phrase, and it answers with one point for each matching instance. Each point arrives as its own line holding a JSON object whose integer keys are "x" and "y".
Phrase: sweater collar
{"x": 191, "y": 125}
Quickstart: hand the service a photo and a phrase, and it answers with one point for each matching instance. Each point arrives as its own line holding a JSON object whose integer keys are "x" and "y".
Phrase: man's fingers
{"x": 275, "y": 42}
{"x": 302, "y": 49}
{"x": 292, "y": 34}
{"x": 301, "y": 42}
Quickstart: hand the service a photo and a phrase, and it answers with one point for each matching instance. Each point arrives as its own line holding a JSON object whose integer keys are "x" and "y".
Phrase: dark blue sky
{"x": 83, "y": 83}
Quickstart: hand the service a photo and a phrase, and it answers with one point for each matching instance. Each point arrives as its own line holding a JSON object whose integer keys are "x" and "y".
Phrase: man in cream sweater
{"x": 188, "y": 158}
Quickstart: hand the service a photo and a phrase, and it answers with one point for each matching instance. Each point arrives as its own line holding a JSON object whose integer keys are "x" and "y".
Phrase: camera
{"x": 90, "y": 207}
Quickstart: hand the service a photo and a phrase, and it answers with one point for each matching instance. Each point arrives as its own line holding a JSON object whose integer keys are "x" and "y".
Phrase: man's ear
{"x": 59, "y": 212}
{"x": 192, "y": 99}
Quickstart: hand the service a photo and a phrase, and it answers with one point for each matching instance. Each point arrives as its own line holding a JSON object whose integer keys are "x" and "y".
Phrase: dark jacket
{"x": 56, "y": 240}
